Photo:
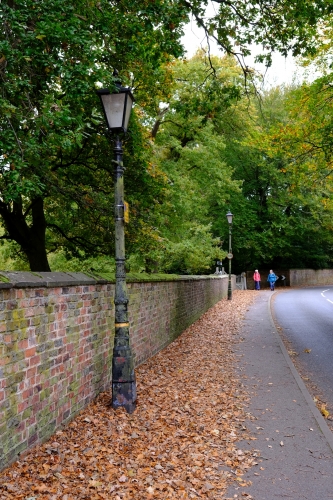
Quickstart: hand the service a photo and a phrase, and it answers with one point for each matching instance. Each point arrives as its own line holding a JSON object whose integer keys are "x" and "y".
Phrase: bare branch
{"x": 158, "y": 122}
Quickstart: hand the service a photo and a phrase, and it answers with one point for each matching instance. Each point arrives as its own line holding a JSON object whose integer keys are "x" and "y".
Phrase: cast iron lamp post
{"x": 229, "y": 219}
{"x": 117, "y": 107}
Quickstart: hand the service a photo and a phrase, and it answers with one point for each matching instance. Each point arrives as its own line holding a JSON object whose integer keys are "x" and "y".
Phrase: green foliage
{"x": 189, "y": 149}
{"x": 284, "y": 214}
{"x": 193, "y": 253}
{"x": 55, "y": 164}
{"x": 289, "y": 26}
{"x": 102, "y": 264}
{"x": 56, "y": 175}
{"x": 11, "y": 259}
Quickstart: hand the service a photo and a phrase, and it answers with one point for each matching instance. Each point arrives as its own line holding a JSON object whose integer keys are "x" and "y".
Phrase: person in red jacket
{"x": 256, "y": 278}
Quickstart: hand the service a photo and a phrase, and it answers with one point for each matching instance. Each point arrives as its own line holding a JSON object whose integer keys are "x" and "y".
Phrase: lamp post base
{"x": 123, "y": 375}
{"x": 124, "y": 396}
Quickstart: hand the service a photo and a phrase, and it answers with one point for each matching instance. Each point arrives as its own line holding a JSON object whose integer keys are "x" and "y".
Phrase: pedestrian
{"x": 271, "y": 278}
{"x": 256, "y": 278}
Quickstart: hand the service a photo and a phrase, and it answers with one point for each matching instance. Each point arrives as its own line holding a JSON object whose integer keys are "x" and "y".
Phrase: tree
{"x": 55, "y": 178}
{"x": 55, "y": 165}
{"x": 306, "y": 144}
{"x": 284, "y": 213}
{"x": 286, "y": 27}
{"x": 189, "y": 149}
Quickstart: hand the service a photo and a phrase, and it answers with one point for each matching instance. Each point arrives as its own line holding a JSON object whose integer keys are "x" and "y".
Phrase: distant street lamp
{"x": 117, "y": 107}
{"x": 229, "y": 219}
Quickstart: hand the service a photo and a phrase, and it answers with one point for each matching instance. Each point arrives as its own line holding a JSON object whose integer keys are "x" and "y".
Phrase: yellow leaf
{"x": 95, "y": 484}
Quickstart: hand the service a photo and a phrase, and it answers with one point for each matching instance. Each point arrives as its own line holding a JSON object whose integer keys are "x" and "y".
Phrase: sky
{"x": 282, "y": 71}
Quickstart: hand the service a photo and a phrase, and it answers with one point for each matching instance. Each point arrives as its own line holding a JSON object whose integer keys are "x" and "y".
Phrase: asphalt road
{"x": 292, "y": 441}
{"x": 306, "y": 318}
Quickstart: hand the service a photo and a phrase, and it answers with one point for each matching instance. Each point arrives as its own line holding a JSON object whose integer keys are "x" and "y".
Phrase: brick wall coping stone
{"x": 23, "y": 279}
{"x": 27, "y": 279}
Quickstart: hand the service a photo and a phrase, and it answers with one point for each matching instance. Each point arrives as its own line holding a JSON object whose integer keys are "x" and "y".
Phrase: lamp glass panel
{"x": 114, "y": 109}
{"x": 229, "y": 217}
{"x": 129, "y": 104}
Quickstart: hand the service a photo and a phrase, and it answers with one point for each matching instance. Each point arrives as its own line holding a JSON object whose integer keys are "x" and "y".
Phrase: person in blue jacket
{"x": 271, "y": 278}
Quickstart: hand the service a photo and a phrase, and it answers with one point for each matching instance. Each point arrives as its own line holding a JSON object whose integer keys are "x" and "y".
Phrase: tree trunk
{"x": 30, "y": 238}
{"x": 37, "y": 257}
{"x": 36, "y": 251}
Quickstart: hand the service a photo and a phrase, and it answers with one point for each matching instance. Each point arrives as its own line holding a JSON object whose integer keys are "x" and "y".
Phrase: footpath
{"x": 295, "y": 443}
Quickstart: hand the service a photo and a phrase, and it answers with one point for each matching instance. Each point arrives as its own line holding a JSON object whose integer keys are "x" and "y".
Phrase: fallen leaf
{"x": 95, "y": 484}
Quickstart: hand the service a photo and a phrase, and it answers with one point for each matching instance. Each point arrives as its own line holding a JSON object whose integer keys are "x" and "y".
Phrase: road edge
{"x": 316, "y": 413}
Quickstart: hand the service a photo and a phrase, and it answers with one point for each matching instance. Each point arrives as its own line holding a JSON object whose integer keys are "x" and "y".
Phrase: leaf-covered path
{"x": 181, "y": 442}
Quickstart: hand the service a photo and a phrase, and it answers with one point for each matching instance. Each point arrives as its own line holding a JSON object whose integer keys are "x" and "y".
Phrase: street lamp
{"x": 229, "y": 219}
{"x": 117, "y": 107}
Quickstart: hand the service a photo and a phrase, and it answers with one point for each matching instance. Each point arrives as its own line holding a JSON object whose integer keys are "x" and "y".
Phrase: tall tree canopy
{"x": 55, "y": 170}
{"x": 288, "y": 26}
{"x": 284, "y": 213}
{"x": 189, "y": 149}
{"x": 55, "y": 162}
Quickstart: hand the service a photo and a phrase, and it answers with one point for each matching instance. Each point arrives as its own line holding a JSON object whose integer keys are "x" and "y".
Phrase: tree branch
{"x": 158, "y": 121}
{"x": 75, "y": 239}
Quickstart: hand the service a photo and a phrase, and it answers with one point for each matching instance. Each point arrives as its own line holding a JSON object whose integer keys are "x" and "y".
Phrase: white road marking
{"x": 322, "y": 294}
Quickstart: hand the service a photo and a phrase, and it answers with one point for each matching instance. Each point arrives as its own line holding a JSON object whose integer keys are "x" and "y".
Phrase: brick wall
{"x": 56, "y": 339}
